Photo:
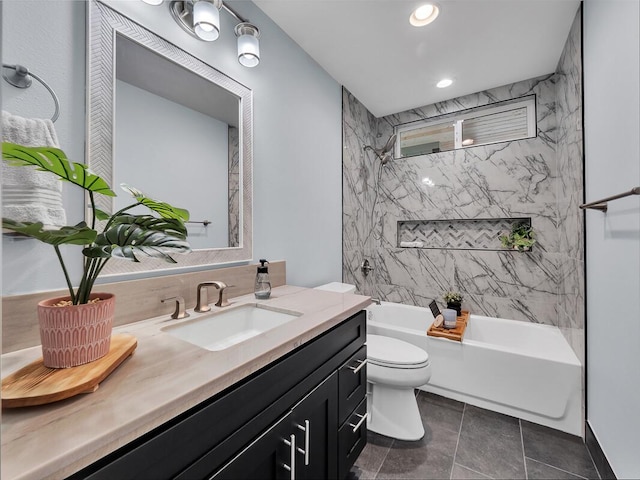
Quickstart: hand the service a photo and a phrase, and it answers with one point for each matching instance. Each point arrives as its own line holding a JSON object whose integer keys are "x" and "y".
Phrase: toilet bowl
{"x": 394, "y": 369}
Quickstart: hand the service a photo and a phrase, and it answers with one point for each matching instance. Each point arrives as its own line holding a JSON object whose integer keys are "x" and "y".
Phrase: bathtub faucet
{"x": 376, "y": 301}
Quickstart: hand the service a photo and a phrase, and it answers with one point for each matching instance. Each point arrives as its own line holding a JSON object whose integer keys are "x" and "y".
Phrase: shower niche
{"x": 457, "y": 234}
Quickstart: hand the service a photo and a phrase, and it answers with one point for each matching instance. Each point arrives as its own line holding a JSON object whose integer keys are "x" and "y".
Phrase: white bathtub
{"x": 521, "y": 369}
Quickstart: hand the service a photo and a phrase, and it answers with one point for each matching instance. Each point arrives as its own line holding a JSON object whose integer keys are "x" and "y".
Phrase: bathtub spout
{"x": 376, "y": 301}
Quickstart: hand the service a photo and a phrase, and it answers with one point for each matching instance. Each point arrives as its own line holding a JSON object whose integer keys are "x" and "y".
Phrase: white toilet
{"x": 394, "y": 369}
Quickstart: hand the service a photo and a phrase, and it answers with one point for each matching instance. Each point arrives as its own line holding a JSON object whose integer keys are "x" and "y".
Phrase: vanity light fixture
{"x": 444, "y": 83}
{"x": 467, "y": 141}
{"x": 153, "y": 2}
{"x": 201, "y": 19}
{"x": 424, "y": 15}
{"x": 248, "y": 45}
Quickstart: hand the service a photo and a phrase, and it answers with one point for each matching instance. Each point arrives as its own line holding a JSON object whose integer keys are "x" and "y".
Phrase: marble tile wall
{"x": 234, "y": 186}
{"x": 538, "y": 178}
{"x": 570, "y": 191}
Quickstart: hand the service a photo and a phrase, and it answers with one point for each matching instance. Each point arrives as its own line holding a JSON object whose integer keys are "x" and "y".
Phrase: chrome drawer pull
{"x": 363, "y": 418}
{"x": 362, "y": 363}
{"x": 292, "y": 451}
{"x": 306, "y": 451}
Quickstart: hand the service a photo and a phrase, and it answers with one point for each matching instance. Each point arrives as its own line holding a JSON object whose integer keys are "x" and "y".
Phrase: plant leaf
{"x": 79, "y": 234}
{"x": 101, "y": 214}
{"x": 170, "y": 226}
{"x": 54, "y": 160}
{"x": 163, "y": 209}
{"x": 126, "y": 241}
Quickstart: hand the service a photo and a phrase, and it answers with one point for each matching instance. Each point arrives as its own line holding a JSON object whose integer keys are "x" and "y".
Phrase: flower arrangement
{"x": 124, "y": 235}
{"x": 521, "y": 238}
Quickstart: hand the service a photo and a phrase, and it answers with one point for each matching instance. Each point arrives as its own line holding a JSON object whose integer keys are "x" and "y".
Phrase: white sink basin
{"x": 216, "y": 331}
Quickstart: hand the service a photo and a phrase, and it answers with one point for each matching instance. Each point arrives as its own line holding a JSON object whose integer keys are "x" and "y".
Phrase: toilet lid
{"x": 391, "y": 352}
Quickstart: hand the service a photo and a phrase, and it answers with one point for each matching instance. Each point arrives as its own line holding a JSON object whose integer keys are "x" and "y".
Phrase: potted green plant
{"x": 453, "y": 301}
{"x": 521, "y": 238}
{"x": 76, "y": 329}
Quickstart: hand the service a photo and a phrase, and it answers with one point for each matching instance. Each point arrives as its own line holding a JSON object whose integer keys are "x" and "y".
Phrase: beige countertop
{"x": 165, "y": 377}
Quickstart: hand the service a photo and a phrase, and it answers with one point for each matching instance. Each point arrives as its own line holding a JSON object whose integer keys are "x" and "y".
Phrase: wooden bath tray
{"x": 36, "y": 384}
{"x": 451, "y": 333}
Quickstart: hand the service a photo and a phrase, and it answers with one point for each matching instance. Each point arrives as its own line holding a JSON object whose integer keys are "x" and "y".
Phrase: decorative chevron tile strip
{"x": 456, "y": 234}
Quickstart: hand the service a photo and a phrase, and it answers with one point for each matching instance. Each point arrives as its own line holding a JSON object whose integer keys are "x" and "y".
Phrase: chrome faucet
{"x": 202, "y": 304}
{"x": 180, "y": 310}
{"x": 377, "y": 301}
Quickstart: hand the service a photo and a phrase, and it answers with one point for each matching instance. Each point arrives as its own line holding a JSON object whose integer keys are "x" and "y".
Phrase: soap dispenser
{"x": 263, "y": 285}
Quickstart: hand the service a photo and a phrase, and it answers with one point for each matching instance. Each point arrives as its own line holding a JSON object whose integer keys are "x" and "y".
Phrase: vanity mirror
{"x": 166, "y": 123}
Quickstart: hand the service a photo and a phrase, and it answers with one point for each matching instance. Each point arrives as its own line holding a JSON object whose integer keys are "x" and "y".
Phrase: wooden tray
{"x": 451, "y": 333}
{"x": 36, "y": 384}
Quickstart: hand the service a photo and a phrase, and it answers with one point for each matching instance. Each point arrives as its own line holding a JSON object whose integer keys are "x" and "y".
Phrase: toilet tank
{"x": 338, "y": 287}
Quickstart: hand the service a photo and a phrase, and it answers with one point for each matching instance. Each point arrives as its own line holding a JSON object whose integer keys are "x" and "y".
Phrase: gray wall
{"x": 506, "y": 180}
{"x": 612, "y": 152}
{"x": 297, "y": 138}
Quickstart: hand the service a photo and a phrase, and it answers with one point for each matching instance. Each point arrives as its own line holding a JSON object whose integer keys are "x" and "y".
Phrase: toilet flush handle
{"x": 362, "y": 363}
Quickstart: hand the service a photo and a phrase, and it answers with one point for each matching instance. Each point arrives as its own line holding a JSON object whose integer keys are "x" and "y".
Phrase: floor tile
{"x": 429, "y": 458}
{"x": 371, "y": 458}
{"x": 464, "y": 473}
{"x": 440, "y": 412}
{"x": 557, "y": 449}
{"x": 541, "y": 471}
{"x": 490, "y": 443}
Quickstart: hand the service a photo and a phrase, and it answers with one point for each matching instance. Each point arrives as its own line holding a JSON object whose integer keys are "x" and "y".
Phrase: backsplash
{"x": 135, "y": 299}
{"x": 524, "y": 178}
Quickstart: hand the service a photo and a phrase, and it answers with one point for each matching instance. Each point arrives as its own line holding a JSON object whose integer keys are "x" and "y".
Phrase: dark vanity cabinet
{"x": 302, "y": 417}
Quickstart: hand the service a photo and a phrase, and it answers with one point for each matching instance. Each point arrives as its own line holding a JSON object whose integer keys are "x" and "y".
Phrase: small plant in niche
{"x": 453, "y": 301}
{"x": 521, "y": 238}
{"x": 124, "y": 235}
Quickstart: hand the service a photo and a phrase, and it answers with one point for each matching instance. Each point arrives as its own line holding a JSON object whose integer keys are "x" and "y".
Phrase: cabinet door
{"x": 271, "y": 456}
{"x": 315, "y": 420}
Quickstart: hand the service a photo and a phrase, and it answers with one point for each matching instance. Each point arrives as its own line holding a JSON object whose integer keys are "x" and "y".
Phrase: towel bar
{"x": 602, "y": 204}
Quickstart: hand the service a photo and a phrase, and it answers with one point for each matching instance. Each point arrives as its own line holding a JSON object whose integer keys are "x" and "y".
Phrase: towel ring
{"x": 21, "y": 78}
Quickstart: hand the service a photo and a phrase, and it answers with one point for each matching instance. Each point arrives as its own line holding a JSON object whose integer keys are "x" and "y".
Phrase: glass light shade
{"x": 153, "y": 2}
{"x": 206, "y": 20}
{"x": 248, "y": 50}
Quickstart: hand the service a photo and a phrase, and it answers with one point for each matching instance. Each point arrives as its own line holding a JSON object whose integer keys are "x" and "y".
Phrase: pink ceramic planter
{"x": 76, "y": 334}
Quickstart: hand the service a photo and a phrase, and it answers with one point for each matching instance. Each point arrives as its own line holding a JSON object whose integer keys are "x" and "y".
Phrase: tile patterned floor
{"x": 466, "y": 442}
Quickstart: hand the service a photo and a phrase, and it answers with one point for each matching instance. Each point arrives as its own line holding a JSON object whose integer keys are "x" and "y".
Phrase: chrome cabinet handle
{"x": 305, "y": 452}
{"x": 361, "y": 363}
{"x": 291, "y": 443}
{"x": 360, "y": 422}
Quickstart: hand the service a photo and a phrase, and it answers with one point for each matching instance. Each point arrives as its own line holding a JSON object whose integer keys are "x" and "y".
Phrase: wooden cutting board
{"x": 36, "y": 384}
{"x": 451, "y": 333}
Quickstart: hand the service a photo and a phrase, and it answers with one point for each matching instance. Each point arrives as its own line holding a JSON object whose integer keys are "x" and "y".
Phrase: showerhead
{"x": 385, "y": 153}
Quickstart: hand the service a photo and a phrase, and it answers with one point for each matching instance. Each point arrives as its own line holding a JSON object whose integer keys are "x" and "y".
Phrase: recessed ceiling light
{"x": 445, "y": 82}
{"x": 466, "y": 142}
{"x": 424, "y": 15}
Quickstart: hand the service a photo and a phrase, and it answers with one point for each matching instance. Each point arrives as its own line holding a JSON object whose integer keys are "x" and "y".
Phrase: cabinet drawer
{"x": 352, "y": 383}
{"x": 352, "y": 438}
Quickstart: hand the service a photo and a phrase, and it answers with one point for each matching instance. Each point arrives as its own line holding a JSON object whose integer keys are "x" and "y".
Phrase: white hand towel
{"x": 29, "y": 195}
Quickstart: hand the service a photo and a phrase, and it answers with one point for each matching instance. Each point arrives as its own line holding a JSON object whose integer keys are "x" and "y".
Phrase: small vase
{"x": 457, "y": 306}
{"x": 75, "y": 334}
